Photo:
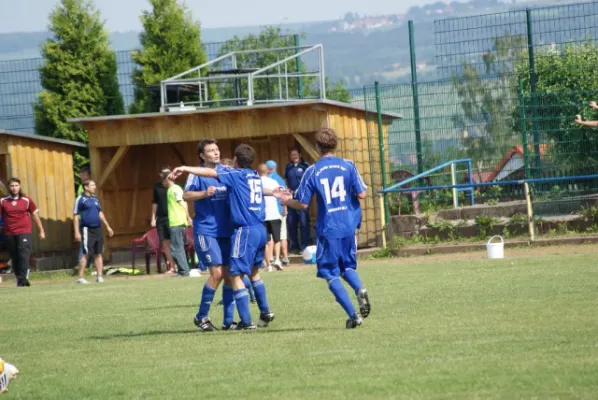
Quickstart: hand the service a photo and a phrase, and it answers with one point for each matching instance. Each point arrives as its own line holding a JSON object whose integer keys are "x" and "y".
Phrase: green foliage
{"x": 493, "y": 202}
{"x": 338, "y": 92}
{"x": 484, "y": 224}
{"x": 79, "y": 73}
{"x": 170, "y": 44}
{"x": 487, "y": 104}
{"x": 590, "y": 214}
{"x": 567, "y": 80}
{"x": 267, "y": 88}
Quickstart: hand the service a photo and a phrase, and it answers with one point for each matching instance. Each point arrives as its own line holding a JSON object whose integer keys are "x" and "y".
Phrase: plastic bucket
{"x": 496, "y": 250}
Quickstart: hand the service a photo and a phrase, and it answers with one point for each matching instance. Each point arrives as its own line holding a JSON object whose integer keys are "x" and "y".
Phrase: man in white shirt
{"x": 273, "y": 220}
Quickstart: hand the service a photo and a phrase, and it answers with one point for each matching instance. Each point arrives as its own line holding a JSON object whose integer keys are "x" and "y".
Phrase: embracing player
{"x": 211, "y": 232}
{"x": 337, "y": 185}
{"x": 248, "y": 241}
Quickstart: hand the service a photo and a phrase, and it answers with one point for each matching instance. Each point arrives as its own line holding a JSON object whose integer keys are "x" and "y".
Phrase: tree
{"x": 566, "y": 81}
{"x": 338, "y": 92}
{"x": 487, "y": 95}
{"x": 170, "y": 44}
{"x": 78, "y": 75}
{"x": 265, "y": 88}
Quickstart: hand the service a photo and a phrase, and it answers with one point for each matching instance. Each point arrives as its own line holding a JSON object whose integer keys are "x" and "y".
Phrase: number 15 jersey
{"x": 245, "y": 196}
{"x": 336, "y": 184}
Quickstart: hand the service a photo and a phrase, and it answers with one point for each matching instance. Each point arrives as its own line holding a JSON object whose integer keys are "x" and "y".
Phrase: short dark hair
{"x": 84, "y": 169}
{"x": 245, "y": 155}
{"x": 326, "y": 140}
{"x": 292, "y": 149}
{"x": 16, "y": 180}
{"x": 87, "y": 182}
{"x": 202, "y": 145}
{"x": 162, "y": 169}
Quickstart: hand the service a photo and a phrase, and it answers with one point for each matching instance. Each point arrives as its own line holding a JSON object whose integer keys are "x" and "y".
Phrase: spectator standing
{"x": 160, "y": 216}
{"x": 297, "y": 218}
{"x": 284, "y": 243}
{"x": 178, "y": 220}
{"x": 84, "y": 176}
{"x": 273, "y": 220}
{"x": 87, "y": 223}
{"x": 17, "y": 211}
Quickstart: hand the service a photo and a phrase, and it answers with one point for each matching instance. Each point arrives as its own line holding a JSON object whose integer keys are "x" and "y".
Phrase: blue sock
{"x": 249, "y": 287}
{"x": 206, "y": 301}
{"x": 260, "y": 295}
{"x": 242, "y": 300}
{"x": 341, "y": 295}
{"x": 352, "y": 278}
{"x": 228, "y": 302}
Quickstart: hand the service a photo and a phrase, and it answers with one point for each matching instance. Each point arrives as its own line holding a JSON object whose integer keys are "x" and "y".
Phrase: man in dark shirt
{"x": 160, "y": 216}
{"x": 293, "y": 173}
{"x": 88, "y": 220}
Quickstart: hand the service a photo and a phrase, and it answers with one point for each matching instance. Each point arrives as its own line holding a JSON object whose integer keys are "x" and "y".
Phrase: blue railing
{"x": 454, "y": 186}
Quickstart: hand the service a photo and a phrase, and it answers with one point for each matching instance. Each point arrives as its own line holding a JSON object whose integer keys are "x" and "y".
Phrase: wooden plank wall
{"x": 46, "y": 173}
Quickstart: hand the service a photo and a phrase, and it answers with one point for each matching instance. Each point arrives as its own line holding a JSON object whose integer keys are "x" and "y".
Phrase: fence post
{"x": 523, "y": 130}
{"x": 418, "y": 140}
{"x": 532, "y": 84}
{"x": 530, "y": 211}
{"x": 298, "y": 66}
{"x": 382, "y": 149}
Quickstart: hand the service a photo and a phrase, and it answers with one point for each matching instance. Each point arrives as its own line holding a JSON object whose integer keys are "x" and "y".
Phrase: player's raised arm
{"x": 199, "y": 171}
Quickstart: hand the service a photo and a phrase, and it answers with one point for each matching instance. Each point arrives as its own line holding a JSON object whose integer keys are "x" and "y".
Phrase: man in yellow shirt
{"x": 178, "y": 219}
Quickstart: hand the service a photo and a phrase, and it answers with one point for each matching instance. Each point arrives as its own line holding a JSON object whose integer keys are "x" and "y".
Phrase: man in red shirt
{"x": 17, "y": 211}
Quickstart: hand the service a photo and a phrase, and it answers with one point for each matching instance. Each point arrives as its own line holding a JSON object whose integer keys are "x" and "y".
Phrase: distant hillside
{"x": 358, "y": 49}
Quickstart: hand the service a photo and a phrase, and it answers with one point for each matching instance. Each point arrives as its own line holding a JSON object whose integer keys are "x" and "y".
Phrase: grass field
{"x": 443, "y": 327}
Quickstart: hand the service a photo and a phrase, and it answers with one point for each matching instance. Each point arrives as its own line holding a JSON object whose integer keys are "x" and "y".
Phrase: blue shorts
{"x": 334, "y": 256}
{"x": 211, "y": 251}
{"x": 247, "y": 249}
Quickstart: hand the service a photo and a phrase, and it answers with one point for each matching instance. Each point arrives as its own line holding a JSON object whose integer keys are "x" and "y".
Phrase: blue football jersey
{"x": 335, "y": 183}
{"x": 212, "y": 215}
{"x": 245, "y": 196}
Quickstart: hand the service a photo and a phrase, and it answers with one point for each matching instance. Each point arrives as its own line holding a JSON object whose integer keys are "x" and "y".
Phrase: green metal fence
{"x": 511, "y": 85}
{"x": 20, "y": 83}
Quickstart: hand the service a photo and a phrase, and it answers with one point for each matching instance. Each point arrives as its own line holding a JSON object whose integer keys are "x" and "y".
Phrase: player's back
{"x": 245, "y": 196}
{"x": 336, "y": 183}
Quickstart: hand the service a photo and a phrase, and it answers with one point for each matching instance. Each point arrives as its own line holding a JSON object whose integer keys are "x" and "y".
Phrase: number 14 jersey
{"x": 335, "y": 183}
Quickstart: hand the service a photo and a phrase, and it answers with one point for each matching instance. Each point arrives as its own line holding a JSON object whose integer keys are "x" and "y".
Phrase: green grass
{"x": 517, "y": 328}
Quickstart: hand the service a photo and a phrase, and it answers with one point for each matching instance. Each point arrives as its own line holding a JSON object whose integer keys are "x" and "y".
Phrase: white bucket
{"x": 309, "y": 255}
{"x": 496, "y": 250}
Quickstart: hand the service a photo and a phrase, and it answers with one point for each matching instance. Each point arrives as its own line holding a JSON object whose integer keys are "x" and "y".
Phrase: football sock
{"x": 228, "y": 302}
{"x": 352, "y": 278}
{"x": 242, "y": 300}
{"x": 206, "y": 301}
{"x": 259, "y": 289}
{"x": 341, "y": 295}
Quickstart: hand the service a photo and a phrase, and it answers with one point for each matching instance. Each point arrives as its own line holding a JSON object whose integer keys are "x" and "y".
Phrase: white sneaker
{"x": 285, "y": 261}
{"x": 94, "y": 273}
{"x": 278, "y": 265}
{"x": 269, "y": 268}
{"x": 82, "y": 281}
{"x": 100, "y": 279}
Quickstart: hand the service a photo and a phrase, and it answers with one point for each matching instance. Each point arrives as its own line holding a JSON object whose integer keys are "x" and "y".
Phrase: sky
{"x": 123, "y": 15}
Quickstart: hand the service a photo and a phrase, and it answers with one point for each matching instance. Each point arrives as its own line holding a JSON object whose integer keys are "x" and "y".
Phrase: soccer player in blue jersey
{"x": 246, "y": 208}
{"x": 337, "y": 185}
{"x": 211, "y": 232}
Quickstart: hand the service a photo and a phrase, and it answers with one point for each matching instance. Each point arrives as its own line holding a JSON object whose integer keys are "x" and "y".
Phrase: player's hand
{"x": 78, "y": 238}
{"x": 278, "y": 192}
{"x": 211, "y": 191}
{"x": 153, "y": 223}
{"x": 110, "y": 232}
{"x": 189, "y": 222}
{"x": 286, "y": 197}
{"x": 578, "y": 119}
{"x": 178, "y": 171}
{"x": 594, "y": 105}
{"x": 42, "y": 235}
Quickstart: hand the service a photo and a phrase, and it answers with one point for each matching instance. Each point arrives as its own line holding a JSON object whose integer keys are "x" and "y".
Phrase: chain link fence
{"x": 20, "y": 82}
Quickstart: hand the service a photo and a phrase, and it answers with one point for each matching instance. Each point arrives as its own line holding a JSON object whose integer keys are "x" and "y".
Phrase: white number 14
{"x": 337, "y": 191}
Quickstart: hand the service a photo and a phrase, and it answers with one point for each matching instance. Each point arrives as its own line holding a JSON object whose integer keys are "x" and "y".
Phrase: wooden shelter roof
{"x": 30, "y": 136}
{"x": 315, "y": 103}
